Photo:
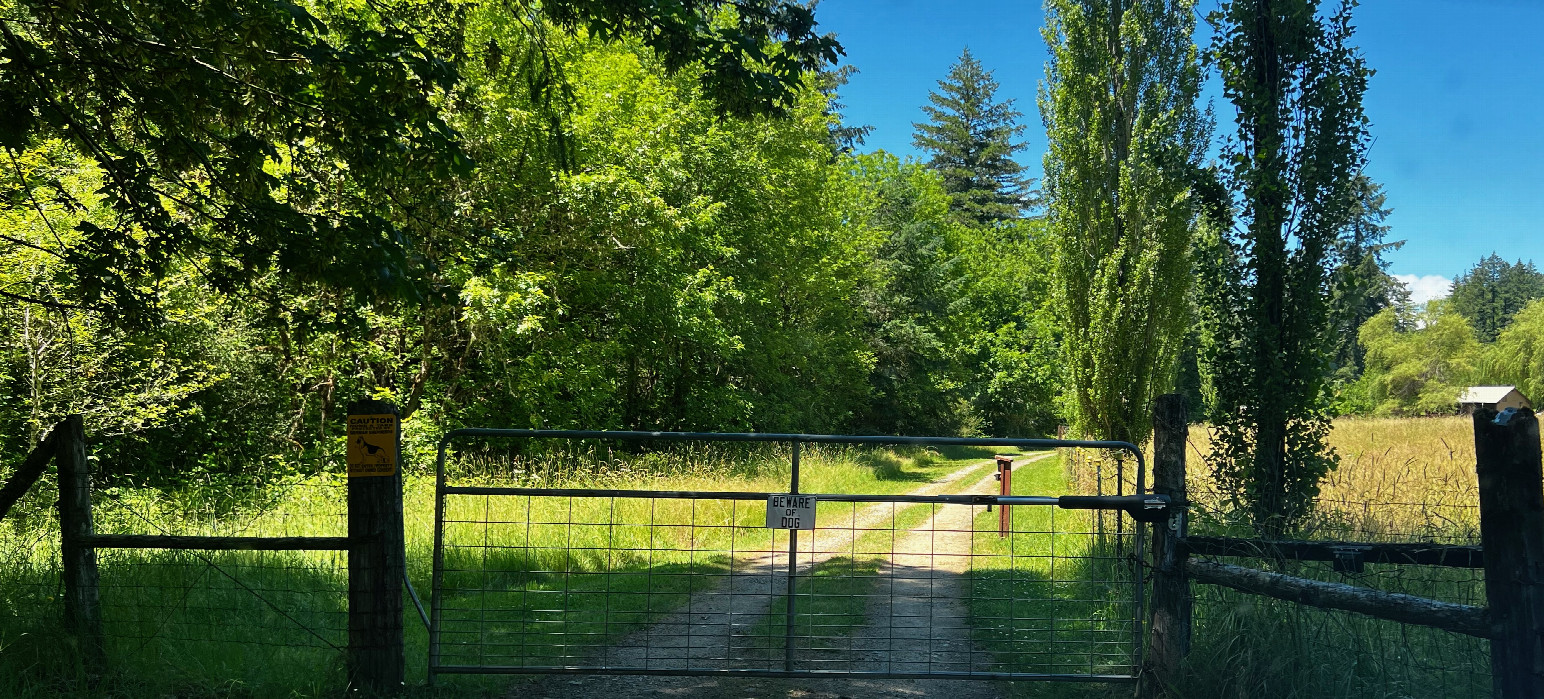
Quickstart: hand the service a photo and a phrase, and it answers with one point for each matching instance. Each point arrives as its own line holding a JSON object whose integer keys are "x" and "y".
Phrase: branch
{"x": 1405, "y": 609}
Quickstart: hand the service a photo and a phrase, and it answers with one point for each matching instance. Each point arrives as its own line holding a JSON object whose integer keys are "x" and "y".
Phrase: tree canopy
{"x": 253, "y": 136}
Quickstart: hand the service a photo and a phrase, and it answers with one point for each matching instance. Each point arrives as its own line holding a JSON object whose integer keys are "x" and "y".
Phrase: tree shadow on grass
{"x": 555, "y": 607}
{"x": 887, "y": 466}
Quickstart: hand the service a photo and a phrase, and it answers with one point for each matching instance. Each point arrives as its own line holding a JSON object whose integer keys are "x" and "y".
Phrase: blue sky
{"x": 1457, "y": 107}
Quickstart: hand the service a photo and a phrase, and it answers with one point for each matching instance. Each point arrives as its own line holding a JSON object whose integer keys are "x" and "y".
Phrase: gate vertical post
{"x": 82, "y": 597}
{"x": 793, "y": 569}
{"x": 1511, "y": 475}
{"x": 1005, "y": 487}
{"x": 376, "y": 557}
{"x": 1169, "y": 619}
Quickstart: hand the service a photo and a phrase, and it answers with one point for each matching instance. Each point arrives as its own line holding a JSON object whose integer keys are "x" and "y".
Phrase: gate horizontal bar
{"x": 1023, "y": 443}
{"x": 823, "y": 674}
{"x": 215, "y": 543}
{"x": 1066, "y": 502}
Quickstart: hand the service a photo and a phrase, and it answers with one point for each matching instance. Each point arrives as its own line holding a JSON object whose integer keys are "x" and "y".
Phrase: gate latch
{"x": 1142, "y": 508}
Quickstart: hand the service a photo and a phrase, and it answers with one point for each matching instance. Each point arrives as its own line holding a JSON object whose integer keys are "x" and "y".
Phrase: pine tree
{"x": 1493, "y": 291}
{"x": 971, "y": 138}
{"x": 1362, "y": 286}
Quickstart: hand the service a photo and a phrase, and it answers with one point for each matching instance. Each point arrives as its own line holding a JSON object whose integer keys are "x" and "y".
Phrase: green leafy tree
{"x": 907, "y": 301}
{"x": 1126, "y": 140}
{"x": 970, "y": 137}
{"x": 1517, "y": 355}
{"x": 1008, "y": 351}
{"x": 1420, "y": 363}
{"x": 1296, "y": 86}
{"x": 1493, "y": 291}
{"x": 253, "y": 136}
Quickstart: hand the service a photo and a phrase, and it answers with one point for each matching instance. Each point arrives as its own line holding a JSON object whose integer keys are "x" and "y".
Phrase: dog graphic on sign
{"x": 379, "y": 452}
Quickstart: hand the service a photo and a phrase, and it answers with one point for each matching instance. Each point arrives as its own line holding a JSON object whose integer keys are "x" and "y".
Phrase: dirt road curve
{"x": 915, "y": 623}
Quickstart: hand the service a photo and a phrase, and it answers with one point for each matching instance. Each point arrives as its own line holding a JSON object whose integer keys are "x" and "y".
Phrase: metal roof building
{"x": 1495, "y": 397}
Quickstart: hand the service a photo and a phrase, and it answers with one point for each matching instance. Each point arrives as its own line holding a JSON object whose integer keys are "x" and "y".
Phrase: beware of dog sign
{"x": 372, "y": 445}
{"x": 791, "y": 512}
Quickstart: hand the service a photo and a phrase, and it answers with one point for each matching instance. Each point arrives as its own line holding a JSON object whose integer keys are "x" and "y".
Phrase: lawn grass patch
{"x": 1052, "y": 597}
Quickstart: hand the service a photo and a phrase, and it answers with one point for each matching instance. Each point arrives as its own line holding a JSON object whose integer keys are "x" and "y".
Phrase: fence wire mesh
{"x": 1404, "y": 481}
{"x": 227, "y": 613}
{"x": 693, "y": 583}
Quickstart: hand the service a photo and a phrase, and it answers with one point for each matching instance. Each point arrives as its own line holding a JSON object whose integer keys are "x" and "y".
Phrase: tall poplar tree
{"x": 971, "y": 138}
{"x": 1125, "y": 145}
{"x": 1296, "y": 86}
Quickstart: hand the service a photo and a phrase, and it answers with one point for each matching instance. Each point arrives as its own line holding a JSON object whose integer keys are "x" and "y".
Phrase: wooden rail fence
{"x": 1511, "y": 553}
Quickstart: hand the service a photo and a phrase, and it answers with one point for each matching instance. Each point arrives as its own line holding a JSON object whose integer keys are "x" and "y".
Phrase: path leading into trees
{"x": 915, "y": 621}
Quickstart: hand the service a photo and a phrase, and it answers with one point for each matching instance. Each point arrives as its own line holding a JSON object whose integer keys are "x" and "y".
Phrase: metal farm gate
{"x": 704, "y": 582}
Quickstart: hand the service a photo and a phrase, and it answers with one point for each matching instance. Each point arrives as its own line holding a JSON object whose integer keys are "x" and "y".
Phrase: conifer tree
{"x": 1493, "y": 291}
{"x": 1361, "y": 285}
{"x": 971, "y": 138}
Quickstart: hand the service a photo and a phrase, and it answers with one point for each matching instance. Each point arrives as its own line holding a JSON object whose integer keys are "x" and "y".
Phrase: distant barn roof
{"x": 1485, "y": 394}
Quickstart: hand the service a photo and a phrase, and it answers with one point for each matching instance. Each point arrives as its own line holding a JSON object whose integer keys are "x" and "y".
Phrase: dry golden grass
{"x": 1399, "y": 479}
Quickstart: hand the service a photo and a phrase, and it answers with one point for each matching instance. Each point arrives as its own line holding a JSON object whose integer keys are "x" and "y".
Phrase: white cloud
{"x": 1423, "y": 289}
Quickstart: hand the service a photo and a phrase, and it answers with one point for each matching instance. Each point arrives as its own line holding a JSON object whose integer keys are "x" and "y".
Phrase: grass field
{"x": 1399, "y": 480}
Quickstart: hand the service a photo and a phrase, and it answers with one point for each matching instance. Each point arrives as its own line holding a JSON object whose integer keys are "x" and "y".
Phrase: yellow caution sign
{"x": 372, "y": 445}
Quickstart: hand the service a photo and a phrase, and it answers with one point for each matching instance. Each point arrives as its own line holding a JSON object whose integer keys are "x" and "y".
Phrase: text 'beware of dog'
{"x": 791, "y": 512}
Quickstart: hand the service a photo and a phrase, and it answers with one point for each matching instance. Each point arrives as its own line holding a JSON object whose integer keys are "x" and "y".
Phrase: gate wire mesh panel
{"x": 266, "y": 618}
{"x": 692, "y": 582}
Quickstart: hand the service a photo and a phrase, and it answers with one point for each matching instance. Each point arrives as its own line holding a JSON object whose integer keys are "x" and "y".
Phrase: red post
{"x": 1005, "y": 479}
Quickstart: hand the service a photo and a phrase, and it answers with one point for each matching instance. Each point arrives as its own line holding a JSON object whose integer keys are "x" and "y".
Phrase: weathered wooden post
{"x": 82, "y": 599}
{"x": 376, "y": 559}
{"x": 1511, "y": 473}
{"x": 1169, "y": 619}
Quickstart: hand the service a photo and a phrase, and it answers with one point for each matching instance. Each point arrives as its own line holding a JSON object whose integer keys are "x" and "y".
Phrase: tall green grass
{"x": 1053, "y": 596}
{"x": 544, "y": 581}
{"x": 1403, "y": 480}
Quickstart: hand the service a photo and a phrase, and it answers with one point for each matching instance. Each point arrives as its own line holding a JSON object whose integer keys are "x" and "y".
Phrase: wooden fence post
{"x": 1169, "y": 620}
{"x": 376, "y": 559}
{"x": 82, "y": 599}
{"x": 1511, "y": 474}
